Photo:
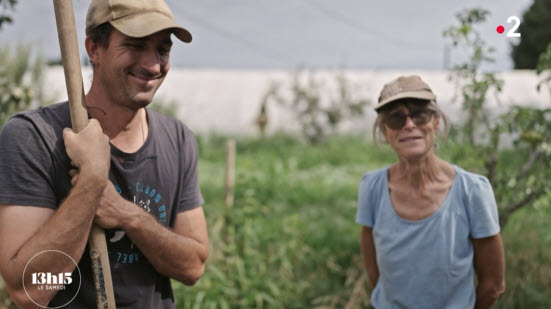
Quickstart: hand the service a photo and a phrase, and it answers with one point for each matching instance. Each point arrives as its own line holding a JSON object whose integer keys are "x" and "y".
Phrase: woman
{"x": 428, "y": 225}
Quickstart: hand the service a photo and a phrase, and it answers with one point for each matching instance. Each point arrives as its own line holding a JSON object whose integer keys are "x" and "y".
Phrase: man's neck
{"x": 126, "y": 128}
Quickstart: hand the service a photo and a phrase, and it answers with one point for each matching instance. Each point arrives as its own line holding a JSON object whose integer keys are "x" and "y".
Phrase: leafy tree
{"x": 536, "y": 35}
{"x": 474, "y": 86}
{"x": 517, "y": 183}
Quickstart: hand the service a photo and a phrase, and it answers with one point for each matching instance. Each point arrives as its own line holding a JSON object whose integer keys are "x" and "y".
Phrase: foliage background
{"x": 290, "y": 241}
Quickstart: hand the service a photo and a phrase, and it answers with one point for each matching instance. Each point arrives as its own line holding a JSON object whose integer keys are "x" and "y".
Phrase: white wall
{"x": 228, "y": 101}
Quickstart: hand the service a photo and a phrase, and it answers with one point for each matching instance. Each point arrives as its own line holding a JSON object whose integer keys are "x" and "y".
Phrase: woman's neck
{"x": 418, "y": 173}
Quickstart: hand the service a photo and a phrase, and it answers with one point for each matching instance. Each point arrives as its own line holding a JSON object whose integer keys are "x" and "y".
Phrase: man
{"x": 131, "y": 170}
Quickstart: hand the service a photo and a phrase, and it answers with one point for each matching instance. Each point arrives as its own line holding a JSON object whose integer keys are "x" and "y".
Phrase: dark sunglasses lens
{"x": 421, "y": 117}
{"x": 396, "y": 121}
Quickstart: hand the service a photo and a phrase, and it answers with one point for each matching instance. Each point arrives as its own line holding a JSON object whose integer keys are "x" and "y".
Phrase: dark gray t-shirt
{"x": 161, "y": 177}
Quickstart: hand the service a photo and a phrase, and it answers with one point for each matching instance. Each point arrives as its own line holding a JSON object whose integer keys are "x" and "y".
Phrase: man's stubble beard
{"x": 136, "y": 100}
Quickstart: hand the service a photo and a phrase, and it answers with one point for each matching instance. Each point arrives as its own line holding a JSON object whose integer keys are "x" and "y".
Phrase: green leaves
{"x": 465, "y": 33}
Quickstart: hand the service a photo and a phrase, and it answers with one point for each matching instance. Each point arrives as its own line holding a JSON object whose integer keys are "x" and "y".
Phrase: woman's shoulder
{"x": 479, "y": 203}
{"x": 471, "y": 177}
{"x": 472, "y": 182}
{"x": 374, "y": 178}
{"x": 370, "y": 193}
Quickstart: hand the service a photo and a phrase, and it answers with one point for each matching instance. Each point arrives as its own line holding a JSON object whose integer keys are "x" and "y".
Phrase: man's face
{"x": 130, "y": 70}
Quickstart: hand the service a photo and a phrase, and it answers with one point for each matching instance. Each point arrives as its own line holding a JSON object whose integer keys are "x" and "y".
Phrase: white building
{"x": 228, "y": 101}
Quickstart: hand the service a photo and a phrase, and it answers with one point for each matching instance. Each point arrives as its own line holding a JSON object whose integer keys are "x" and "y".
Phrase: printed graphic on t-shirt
{"x": 148, "y": 198}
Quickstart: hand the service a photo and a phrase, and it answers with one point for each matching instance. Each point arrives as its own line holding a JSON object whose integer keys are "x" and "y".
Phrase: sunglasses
{"x": 397, "y": 120}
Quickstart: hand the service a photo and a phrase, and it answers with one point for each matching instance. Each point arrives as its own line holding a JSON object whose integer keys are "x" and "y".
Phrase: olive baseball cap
{"x": 134, "y": 18}
{"x": 405, "y": 87}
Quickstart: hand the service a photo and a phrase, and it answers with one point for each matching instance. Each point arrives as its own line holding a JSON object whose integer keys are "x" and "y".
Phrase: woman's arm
{"x": 489, "y": 263}
{"x": 369, "y": 257}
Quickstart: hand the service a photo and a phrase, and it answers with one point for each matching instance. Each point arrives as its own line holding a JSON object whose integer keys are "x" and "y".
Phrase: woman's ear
{"x": 384, "y": 131}
{"x": 436, "y": 122}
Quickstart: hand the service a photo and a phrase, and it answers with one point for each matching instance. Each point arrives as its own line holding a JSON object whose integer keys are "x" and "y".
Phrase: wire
{"x": 259, "y": 49}
{"x": 365, "y": 29}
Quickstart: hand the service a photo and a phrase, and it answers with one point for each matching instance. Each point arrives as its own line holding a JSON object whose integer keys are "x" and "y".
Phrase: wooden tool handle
{"x": 66, "y": 30}
{"x": 230, "y": 172}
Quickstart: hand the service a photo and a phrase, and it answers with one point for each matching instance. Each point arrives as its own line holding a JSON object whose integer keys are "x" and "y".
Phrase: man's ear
{"x": 92, "y": 49}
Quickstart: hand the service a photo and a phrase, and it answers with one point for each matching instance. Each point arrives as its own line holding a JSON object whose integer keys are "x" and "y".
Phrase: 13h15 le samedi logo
{"x": 42, "y": 278}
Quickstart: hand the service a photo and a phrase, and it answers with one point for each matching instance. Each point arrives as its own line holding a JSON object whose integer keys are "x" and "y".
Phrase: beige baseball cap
{"x": 405, "y": 87}
{"x": 134, "y": 18}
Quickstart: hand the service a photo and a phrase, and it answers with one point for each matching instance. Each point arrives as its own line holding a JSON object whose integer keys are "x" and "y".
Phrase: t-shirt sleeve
{"x": 25, "y": 166}
{"x": 481, "y": 203}
{"x": 190, "y": 196}
{"x": 365, "y": 214}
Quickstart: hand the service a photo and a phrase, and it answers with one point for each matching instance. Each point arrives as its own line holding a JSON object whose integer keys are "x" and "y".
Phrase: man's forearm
{"x": 171, "y": 254}
{"x": 66, "y": 231}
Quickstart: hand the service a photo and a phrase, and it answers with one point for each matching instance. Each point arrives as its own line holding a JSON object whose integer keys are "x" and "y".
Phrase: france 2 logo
{"x": 513, "y": 31}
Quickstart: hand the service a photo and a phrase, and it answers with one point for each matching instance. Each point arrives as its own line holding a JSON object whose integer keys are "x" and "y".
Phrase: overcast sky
{"x": 282, "y": 34}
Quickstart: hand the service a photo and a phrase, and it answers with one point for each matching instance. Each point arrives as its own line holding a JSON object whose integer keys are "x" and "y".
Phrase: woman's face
{"x": 410, "y": 129}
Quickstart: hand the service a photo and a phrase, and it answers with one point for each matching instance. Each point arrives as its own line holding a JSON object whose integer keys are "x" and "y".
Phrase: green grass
{"x": 527, "y": 241}
{"x": 290, "y": 237}
{"x": 290, "y": 240}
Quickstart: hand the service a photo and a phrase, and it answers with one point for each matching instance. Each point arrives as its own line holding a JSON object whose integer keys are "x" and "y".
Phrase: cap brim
{"x": 423, "y": 95}
{"x": 142, "y": 25}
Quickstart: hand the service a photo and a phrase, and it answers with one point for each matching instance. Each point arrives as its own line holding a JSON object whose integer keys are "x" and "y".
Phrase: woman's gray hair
{"x": 379, "y": 126}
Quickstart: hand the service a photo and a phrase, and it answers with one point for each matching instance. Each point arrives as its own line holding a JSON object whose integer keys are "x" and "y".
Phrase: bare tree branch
{"x": 509, "y": 210}
{"x": 531, "y": 160}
